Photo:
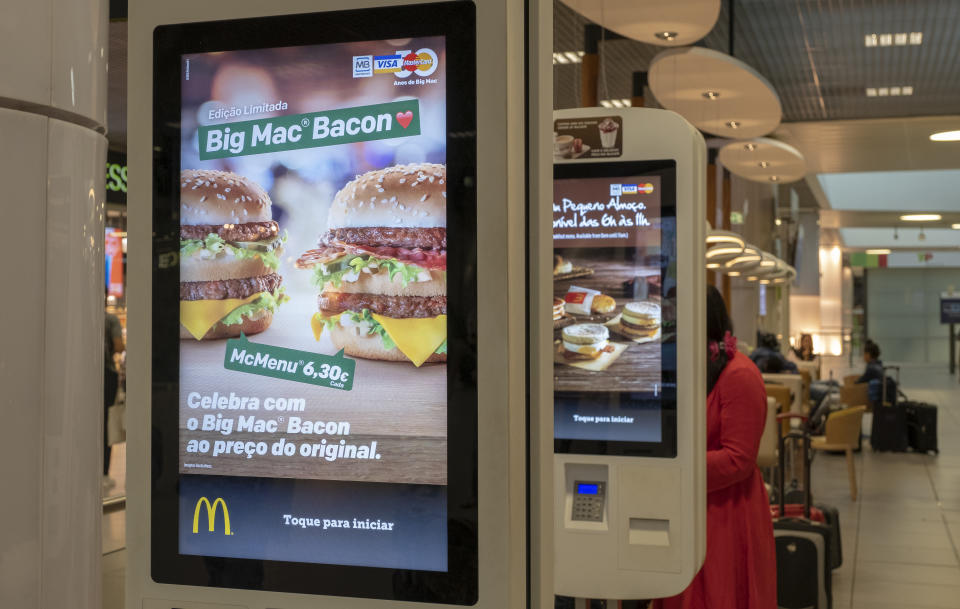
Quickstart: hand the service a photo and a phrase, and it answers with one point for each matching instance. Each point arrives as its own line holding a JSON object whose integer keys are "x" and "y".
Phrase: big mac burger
{"x": 381, "y": 266}
{"x": 229, "y": 246}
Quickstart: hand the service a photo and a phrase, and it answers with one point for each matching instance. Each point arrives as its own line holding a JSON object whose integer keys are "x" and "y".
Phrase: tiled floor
{"x": 900, "y": 539}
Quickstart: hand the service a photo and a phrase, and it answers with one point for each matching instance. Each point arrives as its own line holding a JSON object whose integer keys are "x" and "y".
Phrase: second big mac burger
{"x": 381, "y": 266}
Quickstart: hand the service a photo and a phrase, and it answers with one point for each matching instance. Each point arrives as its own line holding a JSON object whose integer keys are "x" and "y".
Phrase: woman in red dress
{"x": 740, "y": 568}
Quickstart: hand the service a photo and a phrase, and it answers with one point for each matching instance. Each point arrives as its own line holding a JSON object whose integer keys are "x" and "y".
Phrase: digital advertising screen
{"x": 614, "y": 308}
{"x": 321, "y": 405}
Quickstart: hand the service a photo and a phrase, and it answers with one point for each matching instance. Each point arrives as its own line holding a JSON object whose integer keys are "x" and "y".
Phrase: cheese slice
{"x": 418, "y": 338}
{"x": 317, "y": 325}
{"x": 198, "y": 316}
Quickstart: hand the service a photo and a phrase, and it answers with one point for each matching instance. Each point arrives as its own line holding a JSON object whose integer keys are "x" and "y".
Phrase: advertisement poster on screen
{"x": 313, "y": 303}
{"x": 614, "y": 308}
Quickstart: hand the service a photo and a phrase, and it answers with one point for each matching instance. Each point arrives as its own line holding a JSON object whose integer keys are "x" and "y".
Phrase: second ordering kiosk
{"x": 629, "y": 343}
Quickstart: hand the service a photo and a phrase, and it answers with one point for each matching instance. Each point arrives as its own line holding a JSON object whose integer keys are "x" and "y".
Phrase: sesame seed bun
{"x": 369, "y": 346}
{"x": 261, "y": 322}
{"x": 220, "y": 197}
{"x": 409, "y": 196}
{"x": 198, "y": 268}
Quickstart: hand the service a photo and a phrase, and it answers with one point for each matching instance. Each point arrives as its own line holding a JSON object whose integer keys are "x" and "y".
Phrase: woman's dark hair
{"x": 872, "y": 349}
{"x": 718, "y": 324}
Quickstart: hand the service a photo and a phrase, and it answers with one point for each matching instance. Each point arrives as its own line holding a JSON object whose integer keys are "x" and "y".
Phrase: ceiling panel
{"x": 874, "y": 144}
{"x": 893, "y": 190}
{"x": 906, "y": 238}
{"x": 813, "y": 53}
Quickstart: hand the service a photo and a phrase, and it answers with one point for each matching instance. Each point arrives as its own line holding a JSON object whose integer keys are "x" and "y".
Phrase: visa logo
{"x": 629, "y": 189}
{"x": 386, "y": 64}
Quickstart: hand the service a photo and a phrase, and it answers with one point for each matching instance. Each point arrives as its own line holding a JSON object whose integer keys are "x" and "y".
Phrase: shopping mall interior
{"x": 793, "y": 164}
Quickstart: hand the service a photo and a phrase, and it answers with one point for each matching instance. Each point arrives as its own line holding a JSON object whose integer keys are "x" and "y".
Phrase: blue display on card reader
{"x": 588, "y": 489}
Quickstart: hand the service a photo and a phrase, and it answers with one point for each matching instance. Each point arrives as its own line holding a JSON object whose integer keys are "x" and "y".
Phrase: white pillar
{"x": 52, "y": 155}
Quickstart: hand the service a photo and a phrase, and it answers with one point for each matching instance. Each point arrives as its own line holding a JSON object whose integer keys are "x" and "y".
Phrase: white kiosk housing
{"x": 329, "y": 391}
{"x": 629, "y": 462}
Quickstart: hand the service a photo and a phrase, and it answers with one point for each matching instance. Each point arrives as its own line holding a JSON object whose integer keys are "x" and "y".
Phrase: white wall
{"x": 903, "y": 313}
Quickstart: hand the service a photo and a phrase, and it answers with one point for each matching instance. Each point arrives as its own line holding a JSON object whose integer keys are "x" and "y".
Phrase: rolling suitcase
{"x": 889, "y": 430}
{"x": 921, "y": 426}
{"x": 831, "y": 517}
{"x": 803, "y": 547}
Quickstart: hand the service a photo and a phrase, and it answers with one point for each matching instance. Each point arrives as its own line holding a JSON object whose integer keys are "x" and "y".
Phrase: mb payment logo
{"x": 211, "y": 515}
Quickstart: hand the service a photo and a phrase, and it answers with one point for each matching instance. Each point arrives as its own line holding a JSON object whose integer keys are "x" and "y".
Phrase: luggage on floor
{"x": 795, "y": 510}
{"x": 889, "y": 430}
{"x": 921, "y": 426}
{"x": 803, "y": 579}
{"x": 803, "y": 545}
{"x": 831, "y": 517}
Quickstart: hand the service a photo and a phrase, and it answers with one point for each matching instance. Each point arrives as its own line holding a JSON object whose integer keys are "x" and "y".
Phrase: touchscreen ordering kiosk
{"x": 629, "y": 342}
{"x": 308, "y": 356}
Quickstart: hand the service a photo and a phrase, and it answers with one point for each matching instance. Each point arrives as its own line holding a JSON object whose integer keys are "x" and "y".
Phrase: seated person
{"x": 769, "y": 359}
{"x": 804, "y": 351}
{"x": 872, "y": 372}
{"x": 874, "y": 368}
{"x": 874, "y": 377}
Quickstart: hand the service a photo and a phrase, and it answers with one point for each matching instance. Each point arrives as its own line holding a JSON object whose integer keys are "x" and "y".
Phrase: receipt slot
{"x": 629, "y": 335}
{"x": 315, "y": 332}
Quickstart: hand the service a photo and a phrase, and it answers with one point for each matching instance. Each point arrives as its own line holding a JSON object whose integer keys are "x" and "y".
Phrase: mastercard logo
{"x": 422, "y": 62}
{"x": 645, "y": 188}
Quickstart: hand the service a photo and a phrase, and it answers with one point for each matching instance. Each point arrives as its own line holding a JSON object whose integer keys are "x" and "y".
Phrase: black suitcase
{"x": 921, "y": 426}
{"x": 832, "y": 516}
{"x": 803, "y": 547}
{"x": 889, "y": 429}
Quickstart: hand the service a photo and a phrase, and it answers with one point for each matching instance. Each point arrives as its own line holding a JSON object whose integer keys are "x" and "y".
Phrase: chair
{"x": 795, "y": 383}
{"x": 813, "y": 367}
{"x": 855, "y": 395}
{"x": 781, "y": 394}
{"x": 767, "y": 452}
{"x": 807, "y": 379}
{"x": 842, "y": 434}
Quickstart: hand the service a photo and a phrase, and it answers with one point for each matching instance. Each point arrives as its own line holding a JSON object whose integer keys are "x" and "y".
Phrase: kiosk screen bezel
{"x": 667, "y": 446}
{"x": 456, "y": 22}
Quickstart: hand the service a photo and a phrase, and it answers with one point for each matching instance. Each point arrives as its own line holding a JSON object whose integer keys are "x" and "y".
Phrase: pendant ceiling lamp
{"x": 764, "y": 160}
{"x": 722, "y": 246}
{"x": 746, "y": 262}
{"x": 669, "y": 23}
{"x": 717, "y": 93}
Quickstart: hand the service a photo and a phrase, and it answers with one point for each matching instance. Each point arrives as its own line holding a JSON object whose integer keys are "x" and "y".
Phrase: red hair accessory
{"x": 729, "y": 347}
{"x": 730, "y": 344}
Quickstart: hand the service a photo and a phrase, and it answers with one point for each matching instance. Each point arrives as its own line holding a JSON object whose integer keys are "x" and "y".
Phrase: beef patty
{"x": 248, "y": 231}
{"x": 331, "y": 303}
{"x": 410, "y": 238}
{"x": 229, "y": 288}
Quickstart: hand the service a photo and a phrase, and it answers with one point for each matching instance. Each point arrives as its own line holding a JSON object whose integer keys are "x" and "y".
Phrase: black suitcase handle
{"x": 795, "y": 434}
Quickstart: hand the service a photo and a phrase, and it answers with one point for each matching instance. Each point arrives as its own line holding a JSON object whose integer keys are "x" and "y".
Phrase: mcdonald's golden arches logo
{"x": 212, "y": 515}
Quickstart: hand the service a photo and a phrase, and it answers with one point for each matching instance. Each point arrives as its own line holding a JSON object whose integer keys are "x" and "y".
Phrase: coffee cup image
{"x": 562, "y": 144}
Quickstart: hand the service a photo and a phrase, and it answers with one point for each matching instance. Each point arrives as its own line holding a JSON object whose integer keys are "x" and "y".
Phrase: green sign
{"x": 310, "y": 130}
{"x": 870, "y": 261}
{"x": 334, "y": 371}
